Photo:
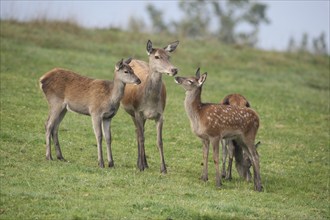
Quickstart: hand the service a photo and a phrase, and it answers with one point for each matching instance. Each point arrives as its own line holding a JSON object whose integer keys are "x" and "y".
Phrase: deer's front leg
{"x": 206, "y": 144}
{"x": 139, "y": 122}
{"x": 107, "y": 135}
{"x": 159, "y": 125}
{"x": 215, "y": 144}
{"x": 97, "y": 126}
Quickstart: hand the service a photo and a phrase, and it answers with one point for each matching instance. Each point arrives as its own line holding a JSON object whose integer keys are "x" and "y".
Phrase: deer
{"x": 231, "y": 149}
{"x": 66, "y": 90}
{"x": 212, "y": 122}
{"x": 148, "y": 100}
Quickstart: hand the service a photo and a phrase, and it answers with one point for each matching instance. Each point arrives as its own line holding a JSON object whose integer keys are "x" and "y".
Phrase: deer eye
{"x": 125, "y": 71}
{"x": 157, "y": 57}
{"x": 190, "y": 82}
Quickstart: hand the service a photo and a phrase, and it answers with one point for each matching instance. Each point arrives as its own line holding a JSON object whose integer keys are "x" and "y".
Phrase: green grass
{"x": 289, "y": 91}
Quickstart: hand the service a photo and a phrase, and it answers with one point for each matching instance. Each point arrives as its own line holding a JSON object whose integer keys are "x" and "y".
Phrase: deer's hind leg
{"x": 55, "y": 116}
{"x": 224, "y": 156}
{"x": 250, "y": 148}
{"x": 55, "y": 135}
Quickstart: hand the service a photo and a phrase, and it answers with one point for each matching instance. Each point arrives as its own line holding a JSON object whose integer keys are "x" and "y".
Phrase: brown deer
{"x": 66, "y": 90}
{"x": 147, "y": 100}
{"x": 213, "y": 122}
{"x": 229, "y": 147}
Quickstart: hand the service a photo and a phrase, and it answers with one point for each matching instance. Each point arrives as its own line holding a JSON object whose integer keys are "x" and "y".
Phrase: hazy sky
{"x": 288, "y": 17}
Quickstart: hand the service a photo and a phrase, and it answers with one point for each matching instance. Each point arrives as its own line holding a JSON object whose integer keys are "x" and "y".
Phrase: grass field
{"x": 289, "y": 91}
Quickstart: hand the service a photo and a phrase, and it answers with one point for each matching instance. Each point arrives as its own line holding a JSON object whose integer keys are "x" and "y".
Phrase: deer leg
{"x": 224, "y": 157}
{"x": 215, "y": 144}
{"x": 97, "y": 126}
{"x": 107, "y": 134}
{"x": 206, "y": 145}
{"x": 51, "y": 124}
{"x": 159, "y": 125}
{"x": 55, "y": 135}
{"x": 251, "y": 150}
{"x": 139, "y": 124}
{"x": 230, "y": 160}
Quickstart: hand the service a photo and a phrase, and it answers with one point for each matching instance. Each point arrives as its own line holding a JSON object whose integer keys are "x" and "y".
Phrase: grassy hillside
{"x": 289, "y": 91}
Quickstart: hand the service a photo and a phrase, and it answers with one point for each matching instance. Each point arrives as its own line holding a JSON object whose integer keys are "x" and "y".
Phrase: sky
{"x": 289, "y": 18}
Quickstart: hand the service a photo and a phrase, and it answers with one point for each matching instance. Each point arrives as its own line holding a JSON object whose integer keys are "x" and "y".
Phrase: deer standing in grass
{"x": 147, "y": 100}
{"x": 66, "y": 90}
{"x": 231, "y": 149}
{"x": 213, "y": 122}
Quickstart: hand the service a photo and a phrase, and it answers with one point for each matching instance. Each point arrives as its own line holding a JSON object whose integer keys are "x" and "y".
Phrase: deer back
{"x": 235, "y": 99}
{"x": 81, "y": 94}
{"x": 227, "y": 120}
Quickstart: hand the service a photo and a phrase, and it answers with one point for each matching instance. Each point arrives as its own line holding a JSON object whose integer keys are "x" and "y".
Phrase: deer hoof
{"x": 204, "y": 178}
{"x": 101, "y": 165}
{"x": 61, "y": 158}
{"x": 163, "y": 171}
{"x": 258, "y": 188}
{"x": 111, "y": 164}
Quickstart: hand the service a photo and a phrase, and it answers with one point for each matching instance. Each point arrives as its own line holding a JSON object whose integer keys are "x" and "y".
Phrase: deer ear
{"x": 119, "y": 65}
{"x": 128, "y": 60}
{"x": 172, "y": 46}
{"x": 198, "y": 75}
{"x": 202, "y": 79}
{"x": 149, "y": 47}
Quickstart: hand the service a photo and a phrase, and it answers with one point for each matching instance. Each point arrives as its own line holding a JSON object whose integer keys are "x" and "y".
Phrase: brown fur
{"x": 235, "y": 99}
{"x": 231, "y": 148}
{"x": 148, "y": 100}
{"x": 66, "y": 90}
{"x": 212, "y": 122}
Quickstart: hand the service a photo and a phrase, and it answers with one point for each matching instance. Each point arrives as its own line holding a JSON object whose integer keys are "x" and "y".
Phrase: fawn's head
{"x": 192, "y": 83}
{"x": 159, "y": 58}
{"x": 244, "y": 164}
{"x": 125, "y": 73}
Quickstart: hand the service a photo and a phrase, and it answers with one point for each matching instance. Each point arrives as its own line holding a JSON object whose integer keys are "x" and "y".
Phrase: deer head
{"x": 159, "y": 58}
{"x": 125, "y": 73}
{"x": 191, "y": 83}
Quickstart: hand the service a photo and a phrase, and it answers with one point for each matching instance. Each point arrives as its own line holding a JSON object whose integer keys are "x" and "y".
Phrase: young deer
{"x": 231, "y": 149}
{"x": 66, "y": 90}
{"x": 147, "y": 101}
{"x": 213, "y": 122}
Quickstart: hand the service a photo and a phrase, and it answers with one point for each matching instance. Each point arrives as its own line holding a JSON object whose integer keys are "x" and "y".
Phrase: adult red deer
{"x": 66, "y": 90}
{"x": 213, "y": 122}
{"x": 147, "y": 101}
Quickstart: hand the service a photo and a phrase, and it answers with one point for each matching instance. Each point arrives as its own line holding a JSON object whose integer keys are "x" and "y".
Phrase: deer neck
{"x": 193, "y": 105}
{"x": 153, "y": 84}
{"x": 117, "y": 92}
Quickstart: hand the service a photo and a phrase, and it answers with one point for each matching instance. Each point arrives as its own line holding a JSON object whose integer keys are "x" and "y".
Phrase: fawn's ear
{"x": 149, "y": 47}
{"x": 128, "y": 60}
{"x": 119, "y": 65}
{"x": 198, "y": 74}
{"x": 171, "y": 47}
{"x": 202, "y": 79}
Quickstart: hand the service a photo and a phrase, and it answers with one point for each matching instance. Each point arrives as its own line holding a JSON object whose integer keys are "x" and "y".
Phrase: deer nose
{"x": 174, "y": 71}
